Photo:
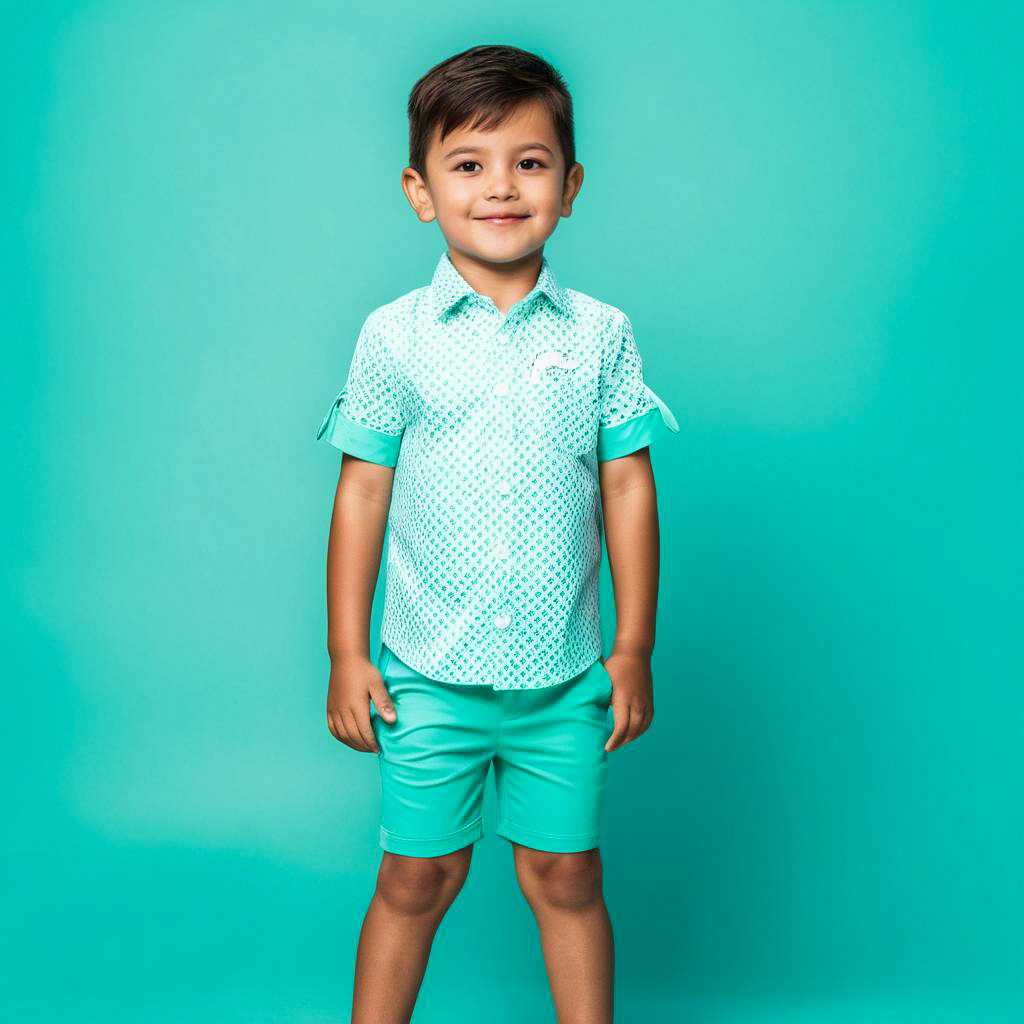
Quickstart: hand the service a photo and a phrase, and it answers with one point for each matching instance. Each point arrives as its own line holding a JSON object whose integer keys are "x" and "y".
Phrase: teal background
{"x": 811, "y": 212}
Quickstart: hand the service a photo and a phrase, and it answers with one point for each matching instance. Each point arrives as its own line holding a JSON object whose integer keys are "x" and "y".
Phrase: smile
{"x": 501, "y": 220}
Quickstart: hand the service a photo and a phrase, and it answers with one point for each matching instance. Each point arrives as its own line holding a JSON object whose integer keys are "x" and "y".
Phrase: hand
{"x": 632, "y": 696}
{"x": 355, "y": 678}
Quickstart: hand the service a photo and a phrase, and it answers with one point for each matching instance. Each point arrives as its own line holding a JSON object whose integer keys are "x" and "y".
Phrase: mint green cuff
{"x": 359, "y": 440}
{"x": 639, "y": 432}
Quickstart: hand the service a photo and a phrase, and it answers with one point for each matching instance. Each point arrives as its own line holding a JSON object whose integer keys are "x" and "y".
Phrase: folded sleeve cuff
{"x": 636, "y": 433}
{"x": 356, "y": 439}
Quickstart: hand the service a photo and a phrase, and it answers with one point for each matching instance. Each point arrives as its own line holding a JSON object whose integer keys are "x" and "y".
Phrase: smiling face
{"x": 498, "y": 195}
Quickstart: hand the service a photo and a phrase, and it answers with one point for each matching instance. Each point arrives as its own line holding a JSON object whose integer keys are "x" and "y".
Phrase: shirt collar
{"x": 448, "y": 286}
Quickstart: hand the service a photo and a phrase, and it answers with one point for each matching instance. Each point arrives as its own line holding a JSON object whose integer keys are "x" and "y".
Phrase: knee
{"x": 566, "y": 881}
{"x": 421, "y": 885}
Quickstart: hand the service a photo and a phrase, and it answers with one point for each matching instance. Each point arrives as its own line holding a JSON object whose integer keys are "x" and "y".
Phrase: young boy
{"x": 499, "y": 423}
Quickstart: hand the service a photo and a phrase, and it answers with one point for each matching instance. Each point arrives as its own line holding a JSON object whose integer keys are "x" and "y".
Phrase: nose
{"x": 500, "y": 185}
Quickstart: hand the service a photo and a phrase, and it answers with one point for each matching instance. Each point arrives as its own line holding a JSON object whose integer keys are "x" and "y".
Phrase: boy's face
{"x": 497, "y": 195}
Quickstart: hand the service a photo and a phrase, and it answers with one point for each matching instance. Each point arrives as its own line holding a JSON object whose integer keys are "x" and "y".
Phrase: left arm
{"x": 630, "y": 509}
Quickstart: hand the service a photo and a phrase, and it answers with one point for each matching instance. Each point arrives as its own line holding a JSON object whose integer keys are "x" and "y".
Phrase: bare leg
{"x": 564, "y": 890}
{"x": 411, "y": 898}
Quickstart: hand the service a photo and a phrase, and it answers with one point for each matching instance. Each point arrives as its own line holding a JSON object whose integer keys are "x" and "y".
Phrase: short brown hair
{"x": 482, "y": 87}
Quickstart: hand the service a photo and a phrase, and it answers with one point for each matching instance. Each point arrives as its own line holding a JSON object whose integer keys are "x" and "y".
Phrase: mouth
{"x": 505, "y": 219}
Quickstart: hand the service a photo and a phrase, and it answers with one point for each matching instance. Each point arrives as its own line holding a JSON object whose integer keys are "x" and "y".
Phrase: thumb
{"x": 382, "y": 702}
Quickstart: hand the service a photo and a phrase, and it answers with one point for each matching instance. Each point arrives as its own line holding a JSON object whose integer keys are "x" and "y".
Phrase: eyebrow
{"x": 477, "y": 149}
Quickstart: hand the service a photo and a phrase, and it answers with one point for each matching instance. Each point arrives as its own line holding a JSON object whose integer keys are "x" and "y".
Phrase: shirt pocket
{"x": 567, "y": 404}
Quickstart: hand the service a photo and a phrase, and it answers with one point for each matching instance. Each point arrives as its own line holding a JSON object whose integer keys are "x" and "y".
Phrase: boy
{"x": 499, "y": 423}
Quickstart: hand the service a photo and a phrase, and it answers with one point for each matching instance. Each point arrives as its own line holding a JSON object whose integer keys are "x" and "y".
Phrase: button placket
{"x": 502, "y": 550}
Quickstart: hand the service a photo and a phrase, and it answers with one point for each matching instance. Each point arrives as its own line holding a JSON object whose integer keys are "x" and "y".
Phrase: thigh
{"x": 433, "y": 761}
{"x": 551, "y": 767}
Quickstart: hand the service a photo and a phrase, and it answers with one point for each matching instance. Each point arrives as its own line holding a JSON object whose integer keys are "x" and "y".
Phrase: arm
{"x": 630, "y": 510}
{"x": 365, "y": 422}
{"x": 354, "y": 548}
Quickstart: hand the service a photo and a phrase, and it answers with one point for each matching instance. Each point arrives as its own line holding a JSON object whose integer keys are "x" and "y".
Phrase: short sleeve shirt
{"x": 495, "y": 425}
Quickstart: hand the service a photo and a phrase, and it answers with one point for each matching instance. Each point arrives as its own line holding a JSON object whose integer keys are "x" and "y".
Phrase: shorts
{"x": 547, "y": 745}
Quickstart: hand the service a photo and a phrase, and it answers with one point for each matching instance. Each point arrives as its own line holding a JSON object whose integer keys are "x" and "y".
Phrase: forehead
{"x": 528, "y": 122}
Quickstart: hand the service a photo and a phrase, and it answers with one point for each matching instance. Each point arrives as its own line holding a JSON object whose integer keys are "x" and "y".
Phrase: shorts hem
{"x": 543, "y": 841}
{"x": 435, "y": 847}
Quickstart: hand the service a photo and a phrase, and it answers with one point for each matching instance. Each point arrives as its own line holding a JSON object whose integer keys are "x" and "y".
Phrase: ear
{"x": 571, "y": 189}
{"x": 418, "y": 193}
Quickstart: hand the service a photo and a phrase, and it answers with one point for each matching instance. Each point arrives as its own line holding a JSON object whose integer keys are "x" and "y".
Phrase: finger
{"x": 332, "y": 726}
{"x": 356, "y": 741}
{"x": 648, "y": 718}
{"x": 337, "y": 729}
{"x": 643, "y": 719}
{"x": 344, "y": 732}
{"x": 636, "y": 724}
{"x": 340, "y": 729}
{"x": 362, "y": 717}
{"x": 382, "y": 702}
{"x": 621, "y": 713}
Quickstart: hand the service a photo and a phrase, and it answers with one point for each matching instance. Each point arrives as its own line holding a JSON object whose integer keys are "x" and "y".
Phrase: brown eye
{"x": 530, "y": 160}
{"x": 465, "y": 163}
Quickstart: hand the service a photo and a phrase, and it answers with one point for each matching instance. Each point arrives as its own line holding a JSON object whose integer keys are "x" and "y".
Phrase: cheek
{"x": 453, "y": 201}
{"x": 546, "y": 200}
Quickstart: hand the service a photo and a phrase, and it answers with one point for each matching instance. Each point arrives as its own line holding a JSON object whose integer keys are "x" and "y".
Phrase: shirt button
{"x": 504, "y": 487}
{"x": 501, "y": 388}
{"x": 501, "y": 620}
{"x": 502, "y": 551}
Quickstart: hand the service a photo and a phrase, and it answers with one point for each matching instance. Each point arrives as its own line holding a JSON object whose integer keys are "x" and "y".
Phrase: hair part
{"x": 481, "y": 88}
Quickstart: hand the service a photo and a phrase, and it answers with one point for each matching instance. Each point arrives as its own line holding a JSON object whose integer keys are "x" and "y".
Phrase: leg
{"x": 411, "y": 898}
{"x": 565, "y": 893}
{"x": 550, "y": 774}
{"x": 433, "y": 763}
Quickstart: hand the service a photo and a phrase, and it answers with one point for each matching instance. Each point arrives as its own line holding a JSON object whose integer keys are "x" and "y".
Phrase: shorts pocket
{"x": 603, "y": 684}
{"x": 383, "y": 666}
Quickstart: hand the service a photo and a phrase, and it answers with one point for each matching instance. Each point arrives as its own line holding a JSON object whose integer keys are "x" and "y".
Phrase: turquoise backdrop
{"x": 812, "y": 213}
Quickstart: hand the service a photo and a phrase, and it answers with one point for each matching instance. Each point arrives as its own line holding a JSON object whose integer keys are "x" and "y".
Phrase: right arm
{"x": 354, "y": 550}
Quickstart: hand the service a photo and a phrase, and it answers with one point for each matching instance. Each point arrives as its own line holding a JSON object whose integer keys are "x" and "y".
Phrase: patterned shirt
{"x": 495, "y": 425}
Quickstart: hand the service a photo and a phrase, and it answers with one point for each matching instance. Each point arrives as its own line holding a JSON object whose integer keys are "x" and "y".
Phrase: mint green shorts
{"x": 547, "y": 745}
